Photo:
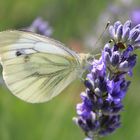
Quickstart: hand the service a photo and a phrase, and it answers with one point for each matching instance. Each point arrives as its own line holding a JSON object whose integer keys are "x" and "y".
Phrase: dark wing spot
{"x": 22, "y": 52}
{"x": 18, "y": 53}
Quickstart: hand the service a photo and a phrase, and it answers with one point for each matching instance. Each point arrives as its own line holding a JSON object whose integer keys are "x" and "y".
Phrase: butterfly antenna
{"x": 102, "y": 34}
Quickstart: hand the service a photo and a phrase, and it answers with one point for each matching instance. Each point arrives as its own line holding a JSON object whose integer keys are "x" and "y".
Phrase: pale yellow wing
{"x": 36, "y": 68}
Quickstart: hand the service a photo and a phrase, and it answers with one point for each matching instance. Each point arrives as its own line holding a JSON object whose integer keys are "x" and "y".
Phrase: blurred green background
{"x": 71, "y": 21}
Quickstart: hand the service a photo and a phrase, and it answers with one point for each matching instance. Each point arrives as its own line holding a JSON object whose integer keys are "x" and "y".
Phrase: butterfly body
{"x": 37, "y": 68}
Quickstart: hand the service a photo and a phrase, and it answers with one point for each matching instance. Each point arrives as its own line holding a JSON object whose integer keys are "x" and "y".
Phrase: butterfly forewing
{"x": 36, "y": 68}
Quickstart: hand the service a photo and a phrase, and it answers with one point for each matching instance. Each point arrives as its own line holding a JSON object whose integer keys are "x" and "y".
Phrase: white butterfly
{"x": 37, "y": 68}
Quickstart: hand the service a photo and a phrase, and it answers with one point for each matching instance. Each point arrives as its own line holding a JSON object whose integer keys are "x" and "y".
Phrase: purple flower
{"x": 135, "y": 16}
{"x": 109, "y": 124}
{"x": 40, "y": 26}
{"x": 124, "y": 35}
{"x": 106, "y": 83}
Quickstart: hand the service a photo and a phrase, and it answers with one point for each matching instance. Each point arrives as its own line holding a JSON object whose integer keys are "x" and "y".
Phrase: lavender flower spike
{"x": 106, "y": 83}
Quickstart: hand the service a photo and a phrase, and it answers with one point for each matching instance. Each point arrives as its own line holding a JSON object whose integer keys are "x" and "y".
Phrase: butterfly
{"x": 37, "y": 68}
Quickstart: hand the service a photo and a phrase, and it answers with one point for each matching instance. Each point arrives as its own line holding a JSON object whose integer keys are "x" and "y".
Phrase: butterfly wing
{"x": 36, "y": 68}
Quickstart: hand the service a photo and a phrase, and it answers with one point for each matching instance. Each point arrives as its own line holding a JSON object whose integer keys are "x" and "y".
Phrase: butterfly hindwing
{"x": 36, "y": 68}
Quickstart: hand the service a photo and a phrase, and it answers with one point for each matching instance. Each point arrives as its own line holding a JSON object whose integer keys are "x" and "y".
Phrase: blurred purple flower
{"x": 135, "y": 16}
{"x": 40, "y": 26}
{"x": 106, "y": 84}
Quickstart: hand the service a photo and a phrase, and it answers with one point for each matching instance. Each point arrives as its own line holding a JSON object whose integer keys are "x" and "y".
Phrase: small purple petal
{"x": 98, "y": 92}
{"x": 115, "y": 58}
{"x": 119, "y": 33}
{"x": 124, "y": 66}
{"x": 137, "y": 44}
{"x": 127, "y": 24}
{"x": 112, "y": 31}
{"x": 125, "y": 34}
{"x": 116, "y": 25}
{"x": 106, "y": 58}
{"x": 134, "y": 35}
